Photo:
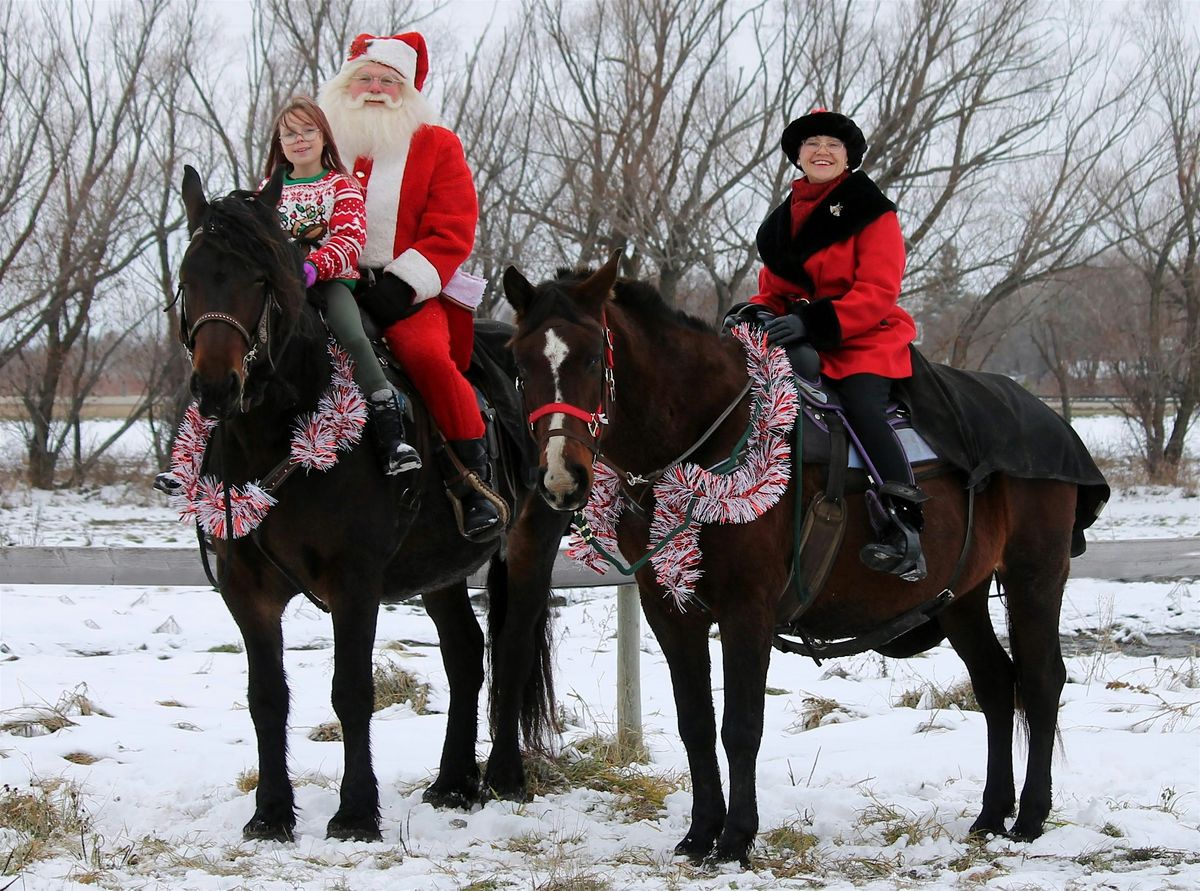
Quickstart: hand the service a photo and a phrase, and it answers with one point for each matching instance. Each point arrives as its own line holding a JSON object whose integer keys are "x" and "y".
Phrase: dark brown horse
{"x": 672, "y": 377}
{"x": 259, "y": 359}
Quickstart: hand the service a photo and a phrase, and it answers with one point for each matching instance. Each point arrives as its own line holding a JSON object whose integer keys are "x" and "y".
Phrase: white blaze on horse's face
{"x": 558, "y": 480}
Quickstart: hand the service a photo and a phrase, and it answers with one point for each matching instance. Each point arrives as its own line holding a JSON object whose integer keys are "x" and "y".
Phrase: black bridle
{"x": 260, "y": 340}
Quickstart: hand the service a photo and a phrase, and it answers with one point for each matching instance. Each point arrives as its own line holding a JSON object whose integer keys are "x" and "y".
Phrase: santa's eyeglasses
{"x": 387, "y": 81}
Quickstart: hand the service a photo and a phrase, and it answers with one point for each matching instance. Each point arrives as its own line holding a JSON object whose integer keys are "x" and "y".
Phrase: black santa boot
{"x": 898, "y": 551}
{"x": 481, "y": 518}
{"x": 387, "y": 420}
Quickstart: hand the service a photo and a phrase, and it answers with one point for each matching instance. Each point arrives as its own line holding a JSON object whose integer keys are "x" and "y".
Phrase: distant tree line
{"x": 1045, "y": 165}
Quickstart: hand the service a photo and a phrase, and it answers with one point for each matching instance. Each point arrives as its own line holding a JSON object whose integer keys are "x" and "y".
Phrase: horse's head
{"x": 563, "y": 350}
{"x": 239, "y": 280}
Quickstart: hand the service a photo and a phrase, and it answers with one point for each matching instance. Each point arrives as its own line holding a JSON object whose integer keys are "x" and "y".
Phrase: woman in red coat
{"x": 833, "y": 258}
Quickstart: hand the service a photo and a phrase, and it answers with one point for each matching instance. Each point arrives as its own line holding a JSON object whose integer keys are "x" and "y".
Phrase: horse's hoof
{"x": 364, "y": 829}
{"x": 981, "y": 829}
{"x": 449, "y": 798}
{"x": 1023, "y": 833}
{"x": 259, "y": 829}
{"x": 729, "y": 854}
{"x": 695, "y": 849}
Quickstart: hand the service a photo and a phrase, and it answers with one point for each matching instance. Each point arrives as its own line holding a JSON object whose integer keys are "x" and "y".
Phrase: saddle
{"x": 492, "y": 374}
{"x": 945, "y": 419}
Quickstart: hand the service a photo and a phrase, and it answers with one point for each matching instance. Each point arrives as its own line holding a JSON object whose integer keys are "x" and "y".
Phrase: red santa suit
{"x": 421, "y": 216}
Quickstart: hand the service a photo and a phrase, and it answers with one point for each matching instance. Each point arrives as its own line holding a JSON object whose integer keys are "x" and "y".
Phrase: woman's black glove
{"x": 786, "y": 330}
{"x": 389, "y": 300}
{"x": 754, "y": 313}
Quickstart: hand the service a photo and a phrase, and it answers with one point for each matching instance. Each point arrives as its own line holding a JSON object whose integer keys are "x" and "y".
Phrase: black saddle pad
{"x": 987, "y": 423}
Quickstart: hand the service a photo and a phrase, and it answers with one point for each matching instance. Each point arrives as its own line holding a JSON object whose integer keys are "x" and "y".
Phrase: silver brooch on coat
{"x": 835, "y": 209}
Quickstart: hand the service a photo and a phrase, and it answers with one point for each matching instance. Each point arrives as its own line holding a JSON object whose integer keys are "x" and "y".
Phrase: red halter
{"x": 595, "y": 420}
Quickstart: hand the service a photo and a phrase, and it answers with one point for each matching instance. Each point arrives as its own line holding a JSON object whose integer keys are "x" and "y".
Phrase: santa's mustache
{"x": 374, "y": 99}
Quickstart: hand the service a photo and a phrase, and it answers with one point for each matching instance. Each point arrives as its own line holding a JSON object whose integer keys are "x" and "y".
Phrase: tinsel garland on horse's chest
{"x": 689, "y": 495}
{"x": 317, "y": 438}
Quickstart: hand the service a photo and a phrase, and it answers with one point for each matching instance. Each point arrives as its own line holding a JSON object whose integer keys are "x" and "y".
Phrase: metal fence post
{"x": 629, "y": 676}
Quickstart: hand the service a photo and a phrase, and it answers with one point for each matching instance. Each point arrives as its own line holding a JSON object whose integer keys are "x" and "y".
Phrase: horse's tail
{"x": 539, "y": 723}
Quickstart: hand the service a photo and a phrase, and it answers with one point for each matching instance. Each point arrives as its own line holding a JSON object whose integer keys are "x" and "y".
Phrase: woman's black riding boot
{"x": 898, "y": 551}
{"x": 481, "y": 518}
{"x": 395, "y": 453}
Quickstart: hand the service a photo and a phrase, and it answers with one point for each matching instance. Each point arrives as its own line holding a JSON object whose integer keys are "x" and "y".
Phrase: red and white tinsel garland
{"x": 317, "y": 437}
{"x": 739, "y": 496}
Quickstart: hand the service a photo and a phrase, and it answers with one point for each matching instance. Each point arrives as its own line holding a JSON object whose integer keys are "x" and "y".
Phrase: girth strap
{"x": 817, "y": 538}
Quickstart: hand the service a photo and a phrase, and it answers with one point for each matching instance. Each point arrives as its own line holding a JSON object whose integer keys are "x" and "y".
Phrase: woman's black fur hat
{"x": 820, "y": 122}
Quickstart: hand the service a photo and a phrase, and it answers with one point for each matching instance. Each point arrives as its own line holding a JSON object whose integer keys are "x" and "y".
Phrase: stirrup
{"x": 882, "y": 557}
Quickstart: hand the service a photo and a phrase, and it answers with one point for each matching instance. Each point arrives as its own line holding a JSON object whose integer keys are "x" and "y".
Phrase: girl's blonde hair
{"x": 303, "y": 107}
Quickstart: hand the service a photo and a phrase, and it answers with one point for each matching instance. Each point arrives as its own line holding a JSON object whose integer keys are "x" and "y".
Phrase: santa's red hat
{"x": 405, "y": 53}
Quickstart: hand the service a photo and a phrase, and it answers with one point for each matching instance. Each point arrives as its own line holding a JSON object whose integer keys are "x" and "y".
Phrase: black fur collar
{"x": 852, "y": 205}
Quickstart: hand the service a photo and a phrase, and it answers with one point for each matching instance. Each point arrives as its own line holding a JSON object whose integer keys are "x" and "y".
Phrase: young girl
{"x": 322, "y": 205}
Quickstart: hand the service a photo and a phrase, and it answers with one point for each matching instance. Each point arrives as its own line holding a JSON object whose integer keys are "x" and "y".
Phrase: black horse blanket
{"x": 987, "y": 423}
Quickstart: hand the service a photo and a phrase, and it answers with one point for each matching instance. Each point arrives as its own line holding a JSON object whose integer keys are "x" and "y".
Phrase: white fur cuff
{"x": 466, "y": 289}
{"x": 412, "y": 267}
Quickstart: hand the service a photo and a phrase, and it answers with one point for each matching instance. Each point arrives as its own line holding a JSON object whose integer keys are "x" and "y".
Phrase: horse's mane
{"x": 640, "y": 298}
{"x": 239, "y": 226}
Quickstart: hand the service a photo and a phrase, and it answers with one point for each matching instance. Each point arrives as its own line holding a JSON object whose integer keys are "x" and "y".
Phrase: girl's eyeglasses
{"x": 308, "y": 134}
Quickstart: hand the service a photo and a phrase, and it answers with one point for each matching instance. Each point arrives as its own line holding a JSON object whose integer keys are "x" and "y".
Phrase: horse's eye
{"x": 594, "y": 361}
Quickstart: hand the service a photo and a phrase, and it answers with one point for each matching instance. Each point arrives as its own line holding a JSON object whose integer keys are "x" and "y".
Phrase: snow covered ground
{"x": 146, "y": 782}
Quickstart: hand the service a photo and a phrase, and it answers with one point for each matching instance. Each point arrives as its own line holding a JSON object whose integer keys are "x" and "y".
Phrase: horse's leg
{"x": 969, "y": 629}
{"x": 1037, "y": 562}
{"x": 745, "y": 654}
{"x": 460, "y": 640}
{"x": 684, "y": 641}
{"x": 354, "y": 619}
{"x": 258, "y": 615}
{"x": 521, "y": 686}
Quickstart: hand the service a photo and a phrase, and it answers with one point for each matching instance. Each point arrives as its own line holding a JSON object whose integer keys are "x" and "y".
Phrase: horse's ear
{"x": 273, "y": 190}
{"x": 598, "y": 286}
{"x": 517, "y": 289}
{"x": 194, "y": 202}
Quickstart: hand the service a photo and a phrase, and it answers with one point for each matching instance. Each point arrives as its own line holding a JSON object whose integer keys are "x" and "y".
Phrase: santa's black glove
{"x": 754, "y": 313}
{"x": 786, "y": 331}
{"x": 389, "y": 300}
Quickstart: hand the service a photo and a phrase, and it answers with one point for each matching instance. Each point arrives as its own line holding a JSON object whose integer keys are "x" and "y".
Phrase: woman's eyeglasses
{"x": 831, "y": 145}
{"x": 308, "y": 134}
{"x": 387, "y": 81}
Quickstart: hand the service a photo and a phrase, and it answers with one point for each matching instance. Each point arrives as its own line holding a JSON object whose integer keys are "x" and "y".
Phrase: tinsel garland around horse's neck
{"x": 317, "y": 438}
{"x": 689, "y": 495}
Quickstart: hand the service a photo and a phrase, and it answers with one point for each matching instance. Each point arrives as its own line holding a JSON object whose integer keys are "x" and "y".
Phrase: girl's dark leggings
{"x": 865, "y": 398}
{"x": 341, "y": 315}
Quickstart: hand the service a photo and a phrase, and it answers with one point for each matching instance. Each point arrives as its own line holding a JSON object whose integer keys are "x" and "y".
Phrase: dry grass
{"x": 43, "y": 720}
{"x": 80, "y": 758}
{"x": 934, "y": 698}
{"x": 394, "y": 685}
{"x": 604, "y": 765}
{"x": 46, "y": 817}
{"x": 330, "y": 731}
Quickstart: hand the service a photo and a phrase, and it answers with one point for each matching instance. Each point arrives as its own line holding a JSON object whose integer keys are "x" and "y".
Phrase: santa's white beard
{"x": 368, "y": 129}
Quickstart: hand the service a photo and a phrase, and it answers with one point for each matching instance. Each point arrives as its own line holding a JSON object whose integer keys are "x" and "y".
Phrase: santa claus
{"x": 421, "y": 217}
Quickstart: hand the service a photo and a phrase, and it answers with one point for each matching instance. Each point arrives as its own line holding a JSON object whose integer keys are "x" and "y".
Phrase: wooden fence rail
{"x": 1121, "y": 560}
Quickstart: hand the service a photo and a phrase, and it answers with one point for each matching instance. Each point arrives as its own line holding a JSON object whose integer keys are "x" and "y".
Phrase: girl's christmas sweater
{"x": 335, "y": 202}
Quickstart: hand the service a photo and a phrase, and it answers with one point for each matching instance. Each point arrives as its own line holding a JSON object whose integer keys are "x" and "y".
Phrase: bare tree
{"x": 88, "y": 230}
{"x": 646, "y": 132}
{"x": 986, "y": 121}
{"x": 1159, "y": 219}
